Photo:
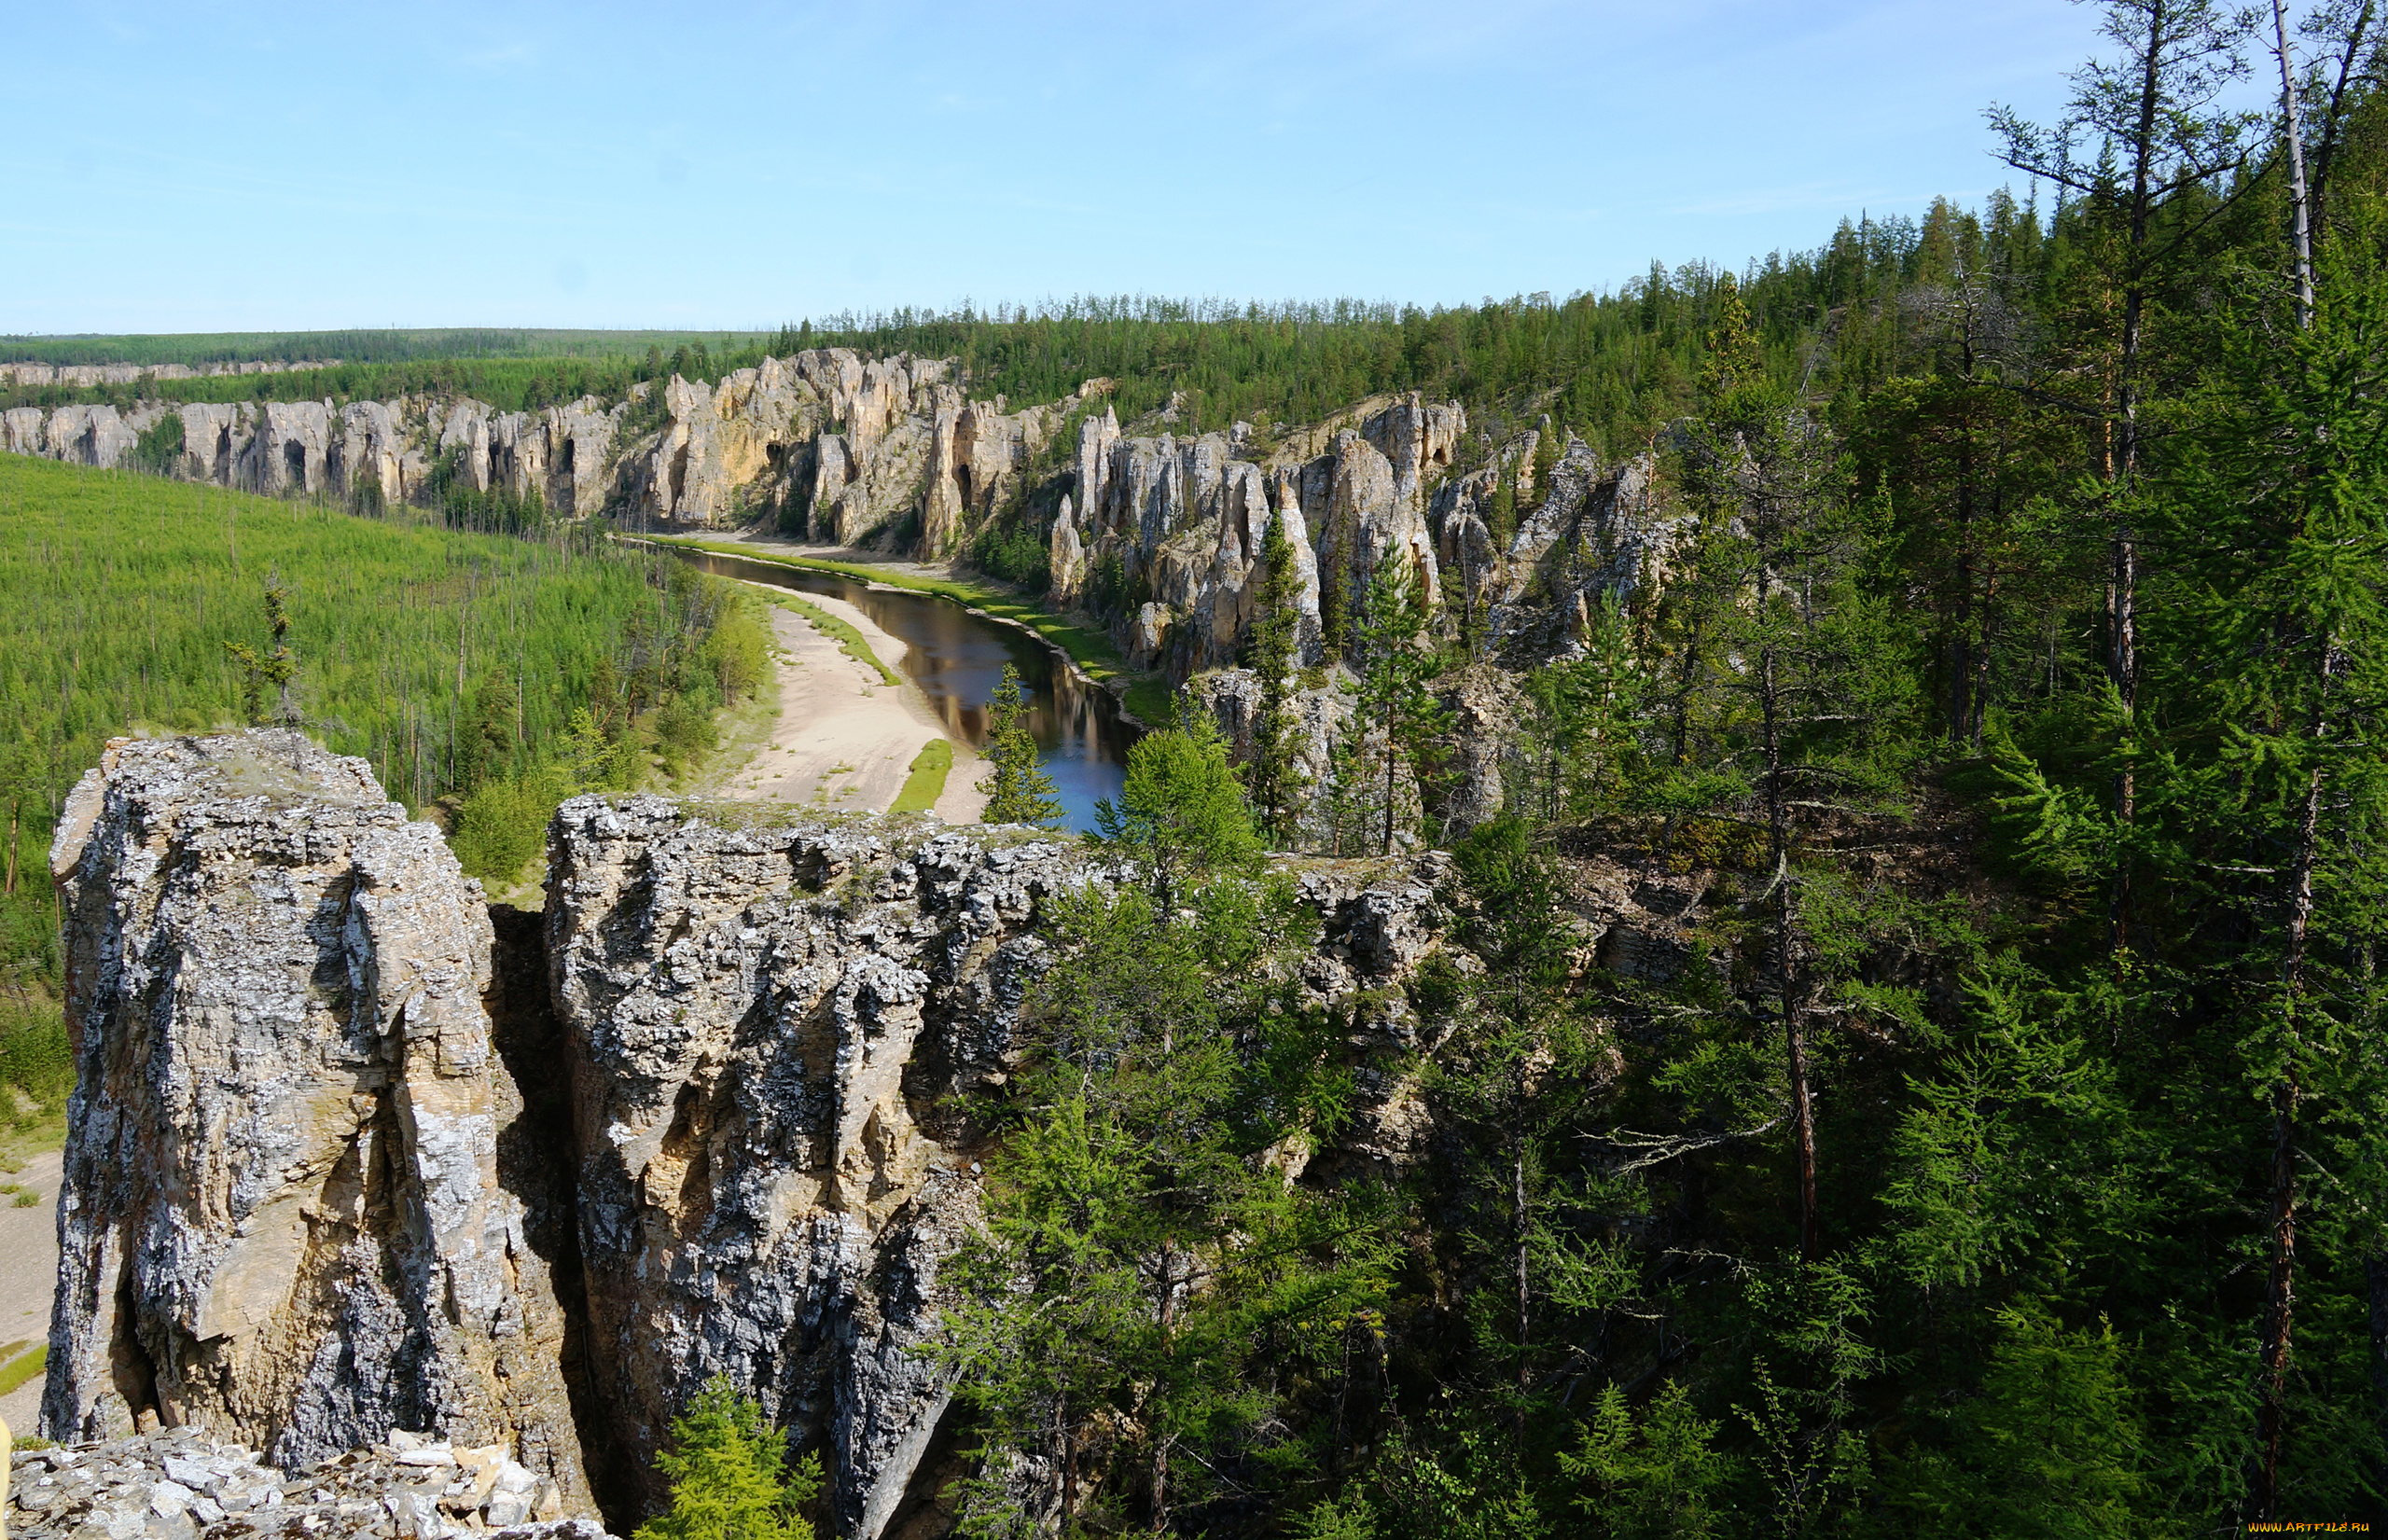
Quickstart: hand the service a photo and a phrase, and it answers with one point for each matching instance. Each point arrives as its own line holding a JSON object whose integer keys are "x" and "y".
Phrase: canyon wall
{"x": 1161, "y": 536}
{"x": 354, "y": 1158}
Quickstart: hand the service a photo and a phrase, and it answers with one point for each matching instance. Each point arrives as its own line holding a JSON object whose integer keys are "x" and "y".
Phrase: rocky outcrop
{"x": 291, "y": 452}
{"x": 358, "y": 1164}
{"x": 87, "y": 376}
{"x": 94, "y": 436}
{"x": 282, "y": 1214}
{"x": 1184, "y": 522}
{"x": 1598, "y": 536}
{"x": 770, "y": 1029}
{"x": 1065, "y": 560}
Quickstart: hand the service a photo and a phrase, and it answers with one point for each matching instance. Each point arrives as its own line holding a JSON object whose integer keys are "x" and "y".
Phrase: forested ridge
{"x": 2000, "y": 1150}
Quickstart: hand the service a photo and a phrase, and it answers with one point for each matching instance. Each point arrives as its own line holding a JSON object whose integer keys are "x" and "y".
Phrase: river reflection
{"x": 957, "y": 659}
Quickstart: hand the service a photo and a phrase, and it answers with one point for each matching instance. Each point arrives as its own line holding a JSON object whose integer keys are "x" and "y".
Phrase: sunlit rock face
{"x": 283, "y": 1214}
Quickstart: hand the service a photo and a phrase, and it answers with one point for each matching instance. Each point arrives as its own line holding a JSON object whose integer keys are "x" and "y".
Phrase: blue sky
{"x": 199, "y": 167}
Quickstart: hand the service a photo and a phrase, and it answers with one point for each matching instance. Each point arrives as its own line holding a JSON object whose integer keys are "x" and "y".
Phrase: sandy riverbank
{"x": 843, "y": 738}
{"x": 27, "y": 1277}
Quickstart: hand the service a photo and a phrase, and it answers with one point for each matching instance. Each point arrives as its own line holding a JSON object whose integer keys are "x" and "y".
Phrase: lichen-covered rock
{"x": 770, "y": 1029}
{"x": 282, "y": 1214}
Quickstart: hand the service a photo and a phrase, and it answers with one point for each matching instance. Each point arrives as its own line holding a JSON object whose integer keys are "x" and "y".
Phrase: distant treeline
{"x": 1611, "y": 366}
{"x": 390, "y": 345}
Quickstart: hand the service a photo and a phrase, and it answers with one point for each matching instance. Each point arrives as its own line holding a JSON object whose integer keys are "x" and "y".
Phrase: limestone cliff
{"x": 282, "y": 1215}
{"x": 770, "y": 1029}
{"x": 347, "y": 1165}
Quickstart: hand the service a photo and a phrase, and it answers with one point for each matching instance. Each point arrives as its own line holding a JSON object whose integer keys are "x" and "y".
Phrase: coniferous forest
{"x": 2006, "y": 1156}
{"x": 2002, "y": 1149}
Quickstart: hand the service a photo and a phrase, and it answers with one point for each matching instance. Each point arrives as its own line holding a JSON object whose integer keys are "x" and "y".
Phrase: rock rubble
{"x": 184, "y": 1484}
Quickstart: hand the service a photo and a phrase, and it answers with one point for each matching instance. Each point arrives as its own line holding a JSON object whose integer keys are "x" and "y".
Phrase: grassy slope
{"x": 1147, "y": 698}
{"x": 123, "y": 590}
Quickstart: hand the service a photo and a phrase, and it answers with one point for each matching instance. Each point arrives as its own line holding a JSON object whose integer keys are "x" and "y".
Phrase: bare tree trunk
{"x": 2295, "y": 131}
{"x": 1069, "y": 1461}
{"x": 2273, "y": 1417}
{"x": 2123, "y": 665}
{"x": 2375, "y": 1278}
{"x": 1519, "y": 1220}
{"x": 1161, "y": 1440}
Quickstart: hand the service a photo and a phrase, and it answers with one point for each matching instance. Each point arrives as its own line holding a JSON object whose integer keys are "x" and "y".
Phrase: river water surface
{"x": 956, "y": 659}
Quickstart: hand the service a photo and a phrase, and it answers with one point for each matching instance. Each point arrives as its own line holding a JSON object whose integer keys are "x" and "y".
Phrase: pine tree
{"x": 1275, "y": 775}
{"x": 730, "y": 1478}
{"x": 1017, "y": 787}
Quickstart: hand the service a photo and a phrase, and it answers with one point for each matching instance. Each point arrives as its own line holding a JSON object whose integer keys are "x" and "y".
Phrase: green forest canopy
{"x": 444, "y": 659}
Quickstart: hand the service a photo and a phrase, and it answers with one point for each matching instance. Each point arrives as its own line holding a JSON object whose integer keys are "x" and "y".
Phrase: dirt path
{"x": 845, "y": 738}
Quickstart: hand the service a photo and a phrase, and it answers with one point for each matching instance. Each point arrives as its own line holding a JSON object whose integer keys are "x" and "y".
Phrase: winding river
{"x": 956, "y": 657}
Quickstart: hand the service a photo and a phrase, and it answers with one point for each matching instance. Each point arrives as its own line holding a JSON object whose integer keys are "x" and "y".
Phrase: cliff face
{"x": 85, "y": 375}
{"x": 348, "y": 1162}
{"x": 559, "y": 455}
{"x": 883, "y": 452}
{"x": 770, "y": 1029}
{"x": 1184, "y": 520}
{"x": 282, "y": 1215}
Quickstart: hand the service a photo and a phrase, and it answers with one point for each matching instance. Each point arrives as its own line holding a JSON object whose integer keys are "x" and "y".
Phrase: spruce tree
{"x": 277, "y": 667}
{"x": 1017, "y": 787}
{"x": 2271, "y": 666}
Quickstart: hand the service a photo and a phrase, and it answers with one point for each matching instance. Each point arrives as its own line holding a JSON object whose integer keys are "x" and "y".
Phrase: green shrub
{"x": 684, "y": 728}
{"x": 34, "y": 1055}
{"x": 1015, "y": 555}
{"x": 737, "y": 653}
{"x": 503, "y": 822}
{"x": 160, "y": 446}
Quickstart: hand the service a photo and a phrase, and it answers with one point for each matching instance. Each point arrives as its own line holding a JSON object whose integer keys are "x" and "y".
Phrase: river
{"x": 956, "y": 657}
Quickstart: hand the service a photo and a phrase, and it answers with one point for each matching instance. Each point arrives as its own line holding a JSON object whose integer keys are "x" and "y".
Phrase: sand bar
{"x": 845, "y": 739}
